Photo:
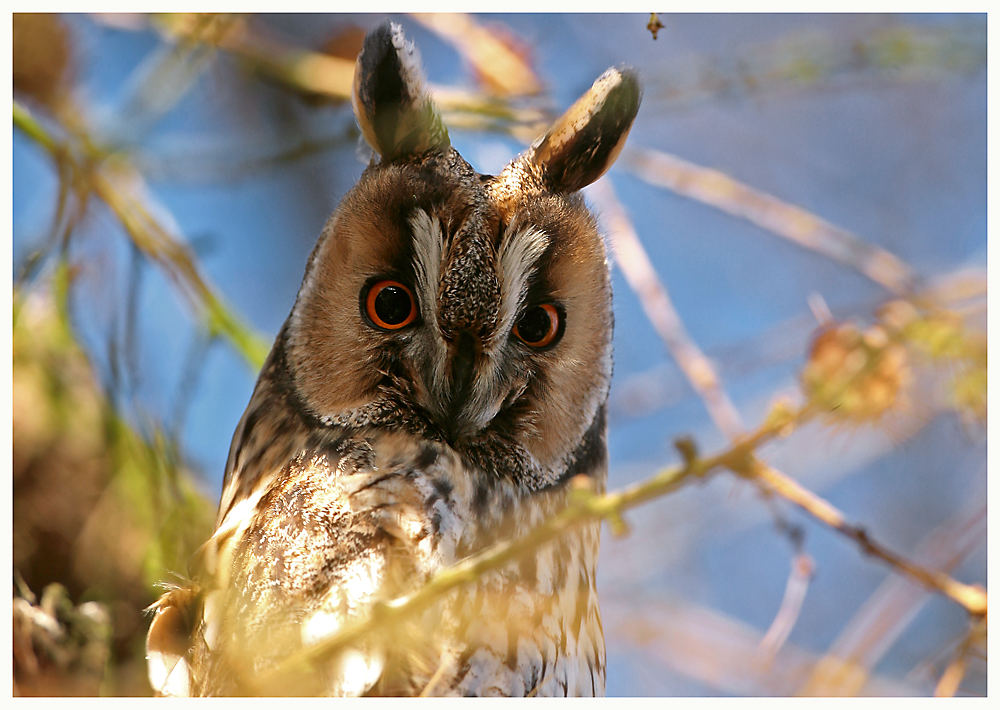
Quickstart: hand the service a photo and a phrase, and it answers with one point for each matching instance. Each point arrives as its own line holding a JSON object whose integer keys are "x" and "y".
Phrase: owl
{"x": 441, "y": 377}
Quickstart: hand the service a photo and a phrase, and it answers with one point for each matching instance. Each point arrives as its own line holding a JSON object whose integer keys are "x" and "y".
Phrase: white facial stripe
{"x": 428, "y": 254}
{"x": 428, "y": 247}
{"x": 519, "y": 251}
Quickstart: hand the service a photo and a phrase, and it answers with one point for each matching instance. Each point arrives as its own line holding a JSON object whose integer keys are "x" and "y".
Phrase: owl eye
{"x": 389, "y": 305}
{"x": 540, "y": 326}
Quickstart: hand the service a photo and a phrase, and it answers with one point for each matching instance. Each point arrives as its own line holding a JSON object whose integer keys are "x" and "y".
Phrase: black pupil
{"x": 392, "y": 305}
{"x": 534, "y": 324}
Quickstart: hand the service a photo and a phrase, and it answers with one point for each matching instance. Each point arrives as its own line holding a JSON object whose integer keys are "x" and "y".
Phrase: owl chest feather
{"x": 354, "y": 520}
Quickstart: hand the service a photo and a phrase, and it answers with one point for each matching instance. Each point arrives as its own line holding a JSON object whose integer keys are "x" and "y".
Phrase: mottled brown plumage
{"x": 381, "y": 446}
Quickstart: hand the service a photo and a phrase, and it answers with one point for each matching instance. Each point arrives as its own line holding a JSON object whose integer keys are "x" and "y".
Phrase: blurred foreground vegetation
{"x": 98, "y": 510}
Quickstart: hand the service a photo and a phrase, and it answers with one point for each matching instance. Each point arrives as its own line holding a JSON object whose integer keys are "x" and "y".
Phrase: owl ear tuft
{"x": 584, "y": 142}
{"x": 394, "y": 109}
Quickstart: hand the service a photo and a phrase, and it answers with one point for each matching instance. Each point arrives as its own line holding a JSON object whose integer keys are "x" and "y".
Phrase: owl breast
{"x": 360, "y": 519}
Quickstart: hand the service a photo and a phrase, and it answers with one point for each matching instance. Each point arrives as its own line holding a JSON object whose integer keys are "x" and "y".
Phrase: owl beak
{"x": 467, "y": 407}
{"x": 463, "y": 353}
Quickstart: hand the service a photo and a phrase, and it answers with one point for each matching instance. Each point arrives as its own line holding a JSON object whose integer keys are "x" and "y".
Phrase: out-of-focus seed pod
{"x": 42, "y": 55}
{"x": 856, "y": 375}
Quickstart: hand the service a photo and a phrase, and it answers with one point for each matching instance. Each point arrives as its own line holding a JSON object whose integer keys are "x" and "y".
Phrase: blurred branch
{"x": 716, "y": 649}
{"x": 162, "y": 80}
{"x": 191, "y": 371}
{"x": 890, "y": 609}
{"x": 876, "y": 355}
{"x": 788, "y": 221}
{"x": 183, "y": 158}
{"x": 970, "y": 597}
{"x": 67, "y": 214}
{"x": 311, "y": 72}
{"x": 321, "y": 74}
{"x": 121, "y": 187}
{"x": 634, "y": 262}
{"x": 491, "y": 52}
{"x": 952, "y": 677}
{"x": 176, "y": 260}
{"x": 24, "y": 121}
{"x": 791, "y": 605}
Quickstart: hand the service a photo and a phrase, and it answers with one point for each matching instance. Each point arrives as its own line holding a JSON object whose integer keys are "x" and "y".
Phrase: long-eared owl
{"x": 442, "y": 375}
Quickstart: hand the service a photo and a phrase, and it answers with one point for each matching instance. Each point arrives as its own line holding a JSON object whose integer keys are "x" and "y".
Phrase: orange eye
{"x": 539, "y": 326}
{"x": 389, "y": 305}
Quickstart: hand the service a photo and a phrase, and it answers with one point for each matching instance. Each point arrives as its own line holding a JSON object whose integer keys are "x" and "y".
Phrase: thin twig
{"x": 791, "y": 222}
{"x": 971, "y": 597}
{"x": 634, "y": 262}
{"x": 877, "y": 625}
{"x": 791, "y": 606}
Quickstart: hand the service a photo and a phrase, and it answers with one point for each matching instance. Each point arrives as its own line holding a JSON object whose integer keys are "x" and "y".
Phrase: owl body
{"x": 441, "y": 376}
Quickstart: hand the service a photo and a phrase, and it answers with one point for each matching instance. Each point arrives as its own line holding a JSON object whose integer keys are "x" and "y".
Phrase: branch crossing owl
{"x": 442, "y": 375}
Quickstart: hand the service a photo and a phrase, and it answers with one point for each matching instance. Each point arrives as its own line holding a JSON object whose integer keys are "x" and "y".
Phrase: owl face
{"x": 474, "y": 308}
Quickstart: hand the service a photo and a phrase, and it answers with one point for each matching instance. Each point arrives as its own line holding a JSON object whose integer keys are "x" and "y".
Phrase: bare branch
{"x": 971, "y": 597}
{"x": 788, "y": 221}
{"x": 638, "y": 270}
{"x": 791, "y": 605}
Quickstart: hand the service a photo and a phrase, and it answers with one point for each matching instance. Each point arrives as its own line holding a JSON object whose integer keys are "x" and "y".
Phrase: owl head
{"x": 474, "y": 309}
